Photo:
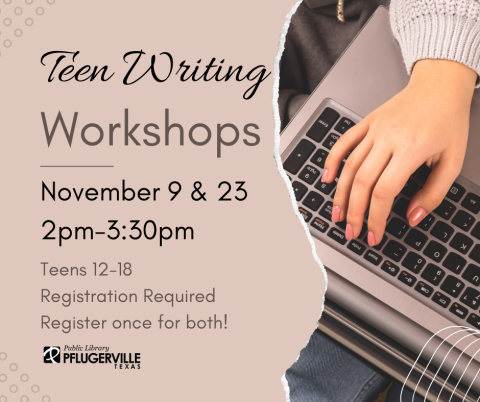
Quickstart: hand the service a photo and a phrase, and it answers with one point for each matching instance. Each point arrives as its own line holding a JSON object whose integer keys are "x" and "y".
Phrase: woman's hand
{"x": 427, "y": 122}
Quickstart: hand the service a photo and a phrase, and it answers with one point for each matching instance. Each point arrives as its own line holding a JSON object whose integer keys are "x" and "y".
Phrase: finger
{"x": 435, "y": 189}
{"x": 363, "y": 185}
{"x": 344, "y": 186}
{"x": 388, "y": 186}
{"x": 342, "y": 147}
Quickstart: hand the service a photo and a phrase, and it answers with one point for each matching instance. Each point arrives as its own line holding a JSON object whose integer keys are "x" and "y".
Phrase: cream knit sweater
{"x": 437, "y": 29}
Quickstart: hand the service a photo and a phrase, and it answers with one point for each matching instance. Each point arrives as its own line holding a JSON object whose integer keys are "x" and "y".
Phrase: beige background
{"x": 254, "y": 253}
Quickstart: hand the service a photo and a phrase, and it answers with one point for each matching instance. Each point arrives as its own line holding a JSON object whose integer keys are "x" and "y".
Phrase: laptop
{"x": 419, "y": 288}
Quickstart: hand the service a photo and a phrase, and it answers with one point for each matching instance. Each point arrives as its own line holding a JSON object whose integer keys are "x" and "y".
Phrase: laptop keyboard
{"x": 437, "y": 262}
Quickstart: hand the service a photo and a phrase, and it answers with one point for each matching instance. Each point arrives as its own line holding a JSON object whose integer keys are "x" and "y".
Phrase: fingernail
{"x": 416, "y": 216}
{"x": 325, "y": 176}
{"x": 349, "y": 232}
{"x": 371, "y": 239}
{"x": 335, "y": 214}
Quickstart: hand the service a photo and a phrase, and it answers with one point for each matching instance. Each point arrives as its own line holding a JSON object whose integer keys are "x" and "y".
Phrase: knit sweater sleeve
{"x": 437, "y": 29}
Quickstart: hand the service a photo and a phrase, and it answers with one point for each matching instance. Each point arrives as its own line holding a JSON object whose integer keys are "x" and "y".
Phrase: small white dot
{"x": 40, "y": 11}
{"x": 28, "y": 22}
{"x": 18, "y": 11}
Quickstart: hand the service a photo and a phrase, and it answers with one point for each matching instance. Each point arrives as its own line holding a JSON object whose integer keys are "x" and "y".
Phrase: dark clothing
{"x": 315, "y": 40}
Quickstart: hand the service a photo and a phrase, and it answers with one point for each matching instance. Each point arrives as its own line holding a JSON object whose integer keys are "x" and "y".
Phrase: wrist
{"x": 444, "y": 77}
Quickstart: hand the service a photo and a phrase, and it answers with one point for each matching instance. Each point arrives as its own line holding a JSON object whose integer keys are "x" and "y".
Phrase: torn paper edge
{"x": 276, "y": 154}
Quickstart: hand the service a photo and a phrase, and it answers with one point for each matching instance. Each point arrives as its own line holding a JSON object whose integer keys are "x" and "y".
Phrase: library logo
{"x": 51, "y": 354}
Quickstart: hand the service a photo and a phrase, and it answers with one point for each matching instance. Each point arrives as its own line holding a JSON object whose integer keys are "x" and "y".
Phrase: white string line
{"x": 461, "y": 377}
{"x": 464, "y": 371}
{"x": 420, "y": 354}
{"x": 453, "y": 367}
{"x": 431, "y": 358}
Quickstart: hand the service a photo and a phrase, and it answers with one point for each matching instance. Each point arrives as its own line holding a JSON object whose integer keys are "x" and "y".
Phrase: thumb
{"x": 434, "y": 191}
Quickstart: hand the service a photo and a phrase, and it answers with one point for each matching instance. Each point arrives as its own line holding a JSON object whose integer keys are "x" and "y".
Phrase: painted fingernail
{"x": 416, "y": 216}
{"x": 371, "y": 238}
{"x": 335, "y": 214}
{"x": 325, "y": 176}
{"x": 349, "y": 232}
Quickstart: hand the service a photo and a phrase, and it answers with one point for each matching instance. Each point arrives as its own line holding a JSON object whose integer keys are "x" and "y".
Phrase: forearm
{"x": 438, "y": 29}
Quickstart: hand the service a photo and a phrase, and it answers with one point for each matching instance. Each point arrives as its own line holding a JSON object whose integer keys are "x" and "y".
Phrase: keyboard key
{"x": 390, "y": 268}
{"x": 325, "y": 188}
{"x": 394, "y": 250}
{"x": 356, "y": 247}
{"x": 307, "y": 215}
{"x": 474, "y": 320}
{"x": 416, "y": 239}
{"x": 342, "y": 224}
{"x": 337, "y": 235}
{"x": 461, "y": 243}
{"x": 442, "y": 231}
{"x": 379, "y": 246}
{"x": 475, "y": 254}
{"x": 441, "y": 299}
{"x": 331, "y": 140}
{"x": 299, "y": 190}
{"x": 326, "y": 210}
{"x": 435, "y": 251}
{"x": 445, "y": 210}
{"x": 320, "y": 224}
{"x": 471, "y": 297}
{"x": 343, "y": 125}
{"x": 454, "y": 263}
{"x": 472, "y": 274}
{"x": 319, "y": 158}
{"x": 463, "y": 220}
{"x": 459, "y": 310}
{"x": 372, "y": 257}
{"x": 407, "y": 278}
{"x": 320, "y": 128}
{"x": 456, "y": 192}
{"x": 414, "y": 262}
{"x": 472, "y": 203}
{"x": 426, "y": 223}
{"x": 298, "y": 156}
{"x": 423, "y": 173}
{"x": 452, "y": 285}
{"x": 313, "y": 200}
{"x": 397, "y": 227}
{"x": 410, "y": 188}
{"x": 424, "y": 289}
{"x": 364, "y": 230}
{"x": 340, "y": 169}
{"x": 433, "y": 274}
{"x": 476, "y": 231}
{"x": 309, "y": 174}
{"x": 400, "y": 207}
